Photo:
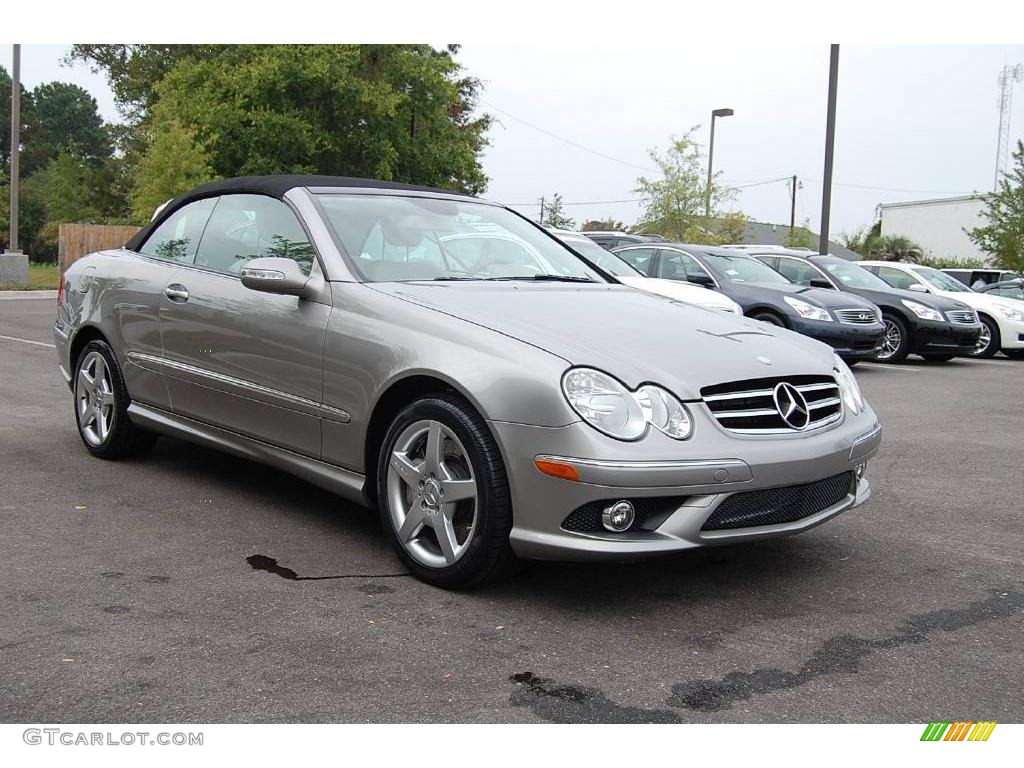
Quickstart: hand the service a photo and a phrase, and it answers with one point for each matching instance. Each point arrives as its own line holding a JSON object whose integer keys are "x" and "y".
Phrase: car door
{"x": 244, "y": 360}
{"x": 135, "y": 296}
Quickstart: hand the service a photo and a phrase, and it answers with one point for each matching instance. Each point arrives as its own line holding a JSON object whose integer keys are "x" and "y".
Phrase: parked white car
{"x": 1002, "y": 318}
{"x": 629, "y": 275}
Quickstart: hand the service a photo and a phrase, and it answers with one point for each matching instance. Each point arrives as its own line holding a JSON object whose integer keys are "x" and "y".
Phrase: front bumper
{"x": 1011, "y": 333}
{"x": 945, "y": 338}
{"x": 851, "y": 342}
{"x": 704, "y": 472}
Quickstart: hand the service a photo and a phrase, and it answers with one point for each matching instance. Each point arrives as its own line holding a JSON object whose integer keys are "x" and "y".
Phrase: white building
{"x": 937, "y": 225}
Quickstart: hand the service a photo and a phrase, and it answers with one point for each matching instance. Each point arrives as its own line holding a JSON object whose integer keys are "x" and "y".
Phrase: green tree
{"x": 5, "y": 119}
{"x": 555, "y": 217}
{"x": 175, "y": 162}
{"x": 1002, "y": 236}
{"x": 895, "y": 248}
{"x": 675, "y": 204}
{"x": 801, "y": 237}
{"x": 64, "y": 120}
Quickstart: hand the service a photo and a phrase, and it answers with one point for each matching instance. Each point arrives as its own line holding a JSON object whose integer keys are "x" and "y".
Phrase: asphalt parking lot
{"x": 193, "y": 586}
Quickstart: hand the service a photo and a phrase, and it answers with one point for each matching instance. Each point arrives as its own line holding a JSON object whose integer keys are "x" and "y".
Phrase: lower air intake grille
{"x": 772, "y": 506}
{"x": 650, "y": 513}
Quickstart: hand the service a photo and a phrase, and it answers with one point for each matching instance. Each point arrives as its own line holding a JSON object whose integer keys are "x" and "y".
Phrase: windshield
{"x": 742, "y": 269}
{"x": 851, "y": 275}
{"x": 398, "y": 239}
{"x": 606, "y": 260}
{"x": 941, "y": 280}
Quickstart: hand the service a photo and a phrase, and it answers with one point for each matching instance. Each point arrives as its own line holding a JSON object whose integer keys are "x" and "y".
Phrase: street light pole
{"x": 715, "y": 113}
{"x": 830, "y": 142}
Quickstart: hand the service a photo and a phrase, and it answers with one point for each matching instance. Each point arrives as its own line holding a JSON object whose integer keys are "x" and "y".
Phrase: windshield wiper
{"x": 552, "y": 278}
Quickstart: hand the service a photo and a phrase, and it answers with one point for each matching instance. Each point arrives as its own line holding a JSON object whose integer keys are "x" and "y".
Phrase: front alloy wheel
{"x": 988, "y": 342}
{"x": 432, "y": 494}
{"x": 94, "y": 396}
{"x": 895, "y": 343}
{"x": 444, "y": 495}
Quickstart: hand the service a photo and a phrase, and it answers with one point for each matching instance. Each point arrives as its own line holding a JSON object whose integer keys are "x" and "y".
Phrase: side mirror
{"x": 699, "y": 278}
{"x": 273, "y": 274}
{"x": 917, "y": 288}
{"x": 821, "y": 282}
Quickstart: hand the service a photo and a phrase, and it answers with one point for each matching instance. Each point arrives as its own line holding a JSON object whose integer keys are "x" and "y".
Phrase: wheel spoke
{"x": 101, "y": 427}
{"x": 100, "y": 370}
{"x": 457, "y": 490}
{"x": 435, "y": 448}
{"x": 446, "y": 538}
{"x": 85, "y": 381}
{"x": 410, "y": 473}
{"x": 412, "y": 524}
{"x": 106, "y": 398}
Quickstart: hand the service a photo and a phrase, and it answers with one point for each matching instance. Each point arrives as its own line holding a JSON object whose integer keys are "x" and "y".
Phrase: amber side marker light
{"x": 557, "y": 469}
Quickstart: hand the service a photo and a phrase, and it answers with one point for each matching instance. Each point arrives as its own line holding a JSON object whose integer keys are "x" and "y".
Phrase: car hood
{"x": 982, "y": 301}
{"x": 635, "y": 336}
{"x": 940, "y": 303}
{"x": 680, "y": 291}
{"x": 822, "y": 297}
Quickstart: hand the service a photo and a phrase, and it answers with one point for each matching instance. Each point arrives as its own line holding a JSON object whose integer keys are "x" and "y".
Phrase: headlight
{"x": 848, "y": 386}
{"x": 925, "y": 313}
{"x": 1010, "y": 312}
{"x": 609, "y": 407}
{"x": 808, "y": 311}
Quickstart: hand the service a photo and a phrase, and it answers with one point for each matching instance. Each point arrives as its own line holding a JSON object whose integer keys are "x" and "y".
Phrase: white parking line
{"x": 29, "y": 341}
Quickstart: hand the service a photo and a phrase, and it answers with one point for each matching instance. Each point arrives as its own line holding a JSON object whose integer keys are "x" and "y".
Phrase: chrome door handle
{"x": 176, "y": 292}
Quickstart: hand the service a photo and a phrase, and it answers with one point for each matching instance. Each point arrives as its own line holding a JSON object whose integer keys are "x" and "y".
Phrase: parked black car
{"x": 934, "y": 327}
{"x": 849, "y": 324}
{"x": 610, "y": 240}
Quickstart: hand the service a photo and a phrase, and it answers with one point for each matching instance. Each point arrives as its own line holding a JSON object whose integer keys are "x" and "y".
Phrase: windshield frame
{"x": 712, "y": 264}
{"x": 822, "y": 263}
{"x": 317, "y": 195}
{"x": 918, "y": 270}
{"x": 568, "y": 240}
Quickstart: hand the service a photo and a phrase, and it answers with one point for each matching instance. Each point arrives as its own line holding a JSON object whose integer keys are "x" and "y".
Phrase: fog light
{"x": 860, "y": 469}
{"x": 618, "y": 517}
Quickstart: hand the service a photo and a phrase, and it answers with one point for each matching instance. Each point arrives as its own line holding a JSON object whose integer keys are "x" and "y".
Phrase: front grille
{"x": 748, "y": 407}
{"x": 856, "y": 316}
{"x": 962, "y": 316}
{"x": 773, "y": 506}
{"x": 650, "y": 513}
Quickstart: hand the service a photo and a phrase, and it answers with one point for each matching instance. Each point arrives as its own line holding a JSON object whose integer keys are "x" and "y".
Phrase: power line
{"x": 568, "y": 141}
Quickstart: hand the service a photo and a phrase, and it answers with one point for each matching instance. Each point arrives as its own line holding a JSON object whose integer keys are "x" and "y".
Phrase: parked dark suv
{"x": 934, "y": 327}
{"x": 610, "y": 240}
{"x": 849, "y": 324}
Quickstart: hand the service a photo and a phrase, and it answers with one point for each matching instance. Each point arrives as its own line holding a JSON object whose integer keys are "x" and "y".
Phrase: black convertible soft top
{"x": 274, "y": 186}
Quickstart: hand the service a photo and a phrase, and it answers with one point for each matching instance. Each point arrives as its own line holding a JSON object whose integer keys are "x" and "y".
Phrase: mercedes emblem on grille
{"x": 792, "y": 406}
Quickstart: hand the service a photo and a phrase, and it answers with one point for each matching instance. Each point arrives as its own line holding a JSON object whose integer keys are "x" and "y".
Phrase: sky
{"x": 913, "y": 121}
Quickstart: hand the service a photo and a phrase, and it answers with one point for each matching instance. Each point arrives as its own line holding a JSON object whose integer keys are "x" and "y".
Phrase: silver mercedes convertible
{"x": 491, "y": 391}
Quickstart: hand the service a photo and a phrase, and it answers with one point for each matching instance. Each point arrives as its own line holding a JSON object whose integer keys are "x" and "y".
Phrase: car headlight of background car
{"x": 925, "y": 313}
{"x": 848, "y": 386}
{"x": 1011, "y": 313}
{"x": 808, "y": 311}
{"x": 608, "y": 406}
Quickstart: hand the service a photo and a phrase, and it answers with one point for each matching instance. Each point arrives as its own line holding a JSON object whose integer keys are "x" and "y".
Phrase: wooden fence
{"x": 76, "y": 240}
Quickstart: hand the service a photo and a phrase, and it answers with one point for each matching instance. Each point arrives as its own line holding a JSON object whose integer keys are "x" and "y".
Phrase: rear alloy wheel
{"x": 443, "y": 494}
{"x": 988, "y": 342}
{"x": 101, "y": 406}
{"x": 895, "y": 341}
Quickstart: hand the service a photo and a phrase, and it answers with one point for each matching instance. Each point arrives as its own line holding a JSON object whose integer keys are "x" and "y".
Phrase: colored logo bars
{"x": 960, "y": 730}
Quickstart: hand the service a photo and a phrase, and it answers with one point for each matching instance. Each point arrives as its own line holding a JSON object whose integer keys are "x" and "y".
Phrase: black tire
{"x": 931, "y": 358}
{"x": 123, "y": 438}
{"x": 769, "y": 317}
{"x": 993, "y": 339}
{"x": 895, "y": 325}
{"x": 489, "y": 554}
{"x": 1014, "y": 354}
{"x": 851, "y": 363}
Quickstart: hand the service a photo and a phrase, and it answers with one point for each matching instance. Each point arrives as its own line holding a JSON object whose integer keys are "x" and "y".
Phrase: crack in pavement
{"x": 270, "y": 565}
{"x": 842, "y": 653}
{"x": 576, "y": 704}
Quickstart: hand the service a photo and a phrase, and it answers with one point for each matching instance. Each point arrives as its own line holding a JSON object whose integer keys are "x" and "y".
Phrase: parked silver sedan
{"x": 491, "y": 392}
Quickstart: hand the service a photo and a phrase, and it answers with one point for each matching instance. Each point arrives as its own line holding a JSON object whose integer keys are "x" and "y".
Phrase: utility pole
{"x": 830, "y": 141}
{"x": 715, "y": 114}
{"x": 542, "y": 211}
{"x": 1007, "y": 77}
{"x": 15, "y": 145}
{"x": 792, "y": 207}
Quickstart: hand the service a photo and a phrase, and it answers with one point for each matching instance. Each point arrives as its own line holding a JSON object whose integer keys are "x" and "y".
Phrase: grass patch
{"x": 41, "y": 277}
